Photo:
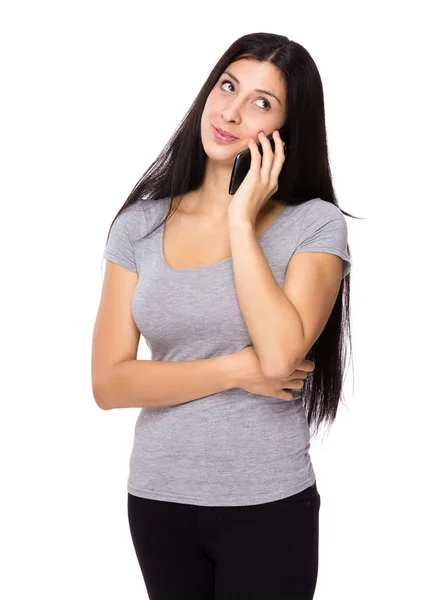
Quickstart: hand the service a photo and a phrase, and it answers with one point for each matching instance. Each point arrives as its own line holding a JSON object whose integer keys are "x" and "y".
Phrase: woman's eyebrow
{"x": 262, "y": 91}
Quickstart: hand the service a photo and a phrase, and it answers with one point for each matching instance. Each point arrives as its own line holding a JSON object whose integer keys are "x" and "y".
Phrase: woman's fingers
{"x": 295, "y": 384}
{"x": 298, "y": 374}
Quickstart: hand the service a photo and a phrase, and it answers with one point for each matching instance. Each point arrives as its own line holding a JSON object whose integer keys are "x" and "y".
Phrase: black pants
{"x": 263, "y": 552}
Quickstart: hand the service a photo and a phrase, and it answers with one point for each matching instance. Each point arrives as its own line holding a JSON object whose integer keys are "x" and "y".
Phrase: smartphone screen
{"x": 243, "y": 159}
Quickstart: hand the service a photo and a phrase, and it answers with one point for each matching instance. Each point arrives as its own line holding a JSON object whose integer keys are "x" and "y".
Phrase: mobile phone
{"x": 243, "y": 158}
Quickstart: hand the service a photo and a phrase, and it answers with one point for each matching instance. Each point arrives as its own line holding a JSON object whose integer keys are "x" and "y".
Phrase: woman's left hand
{"x": 261, "y": 181}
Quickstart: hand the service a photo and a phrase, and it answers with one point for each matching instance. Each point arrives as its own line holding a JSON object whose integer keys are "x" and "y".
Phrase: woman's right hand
{"x": 251, "y": 378}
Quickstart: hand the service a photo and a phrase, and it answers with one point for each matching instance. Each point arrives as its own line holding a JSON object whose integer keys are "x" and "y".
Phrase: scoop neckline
{"x": 225, "y": 261}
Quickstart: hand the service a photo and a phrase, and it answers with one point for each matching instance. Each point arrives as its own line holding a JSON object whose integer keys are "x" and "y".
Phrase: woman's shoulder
{"x": 314, "y": 209}
{"x": 141, "y": 216}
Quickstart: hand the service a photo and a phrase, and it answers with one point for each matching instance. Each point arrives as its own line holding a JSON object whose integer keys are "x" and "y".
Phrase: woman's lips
{"x": 222, "y": 138}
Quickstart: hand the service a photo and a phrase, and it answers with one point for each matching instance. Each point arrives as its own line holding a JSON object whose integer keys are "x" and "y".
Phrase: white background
{"x": 91, "y": 92}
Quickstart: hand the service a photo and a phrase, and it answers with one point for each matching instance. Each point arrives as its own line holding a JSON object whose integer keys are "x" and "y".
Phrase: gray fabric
{"x": 231, "y": 448}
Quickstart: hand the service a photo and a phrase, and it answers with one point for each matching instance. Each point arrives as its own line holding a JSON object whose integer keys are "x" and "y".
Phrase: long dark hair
{"x": 306, "y": 174}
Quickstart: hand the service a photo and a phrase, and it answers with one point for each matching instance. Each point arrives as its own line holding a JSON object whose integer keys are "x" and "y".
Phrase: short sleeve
{"x": 324, "y": 229}
{"x": 120, "y": 248}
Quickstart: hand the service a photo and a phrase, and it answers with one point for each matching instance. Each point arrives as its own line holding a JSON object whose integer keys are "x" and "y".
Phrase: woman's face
{"x": 236, "y": 107}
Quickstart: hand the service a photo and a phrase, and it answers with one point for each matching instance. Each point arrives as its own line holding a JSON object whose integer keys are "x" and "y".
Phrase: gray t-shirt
{"x": 231, "y": 448}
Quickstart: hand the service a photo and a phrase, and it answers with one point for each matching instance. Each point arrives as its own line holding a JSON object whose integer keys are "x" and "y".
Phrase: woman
{"x": 222, "y": 495}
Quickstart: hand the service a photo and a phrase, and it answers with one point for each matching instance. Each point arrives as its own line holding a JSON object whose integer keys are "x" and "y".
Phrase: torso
{"x": 191, "y": 241}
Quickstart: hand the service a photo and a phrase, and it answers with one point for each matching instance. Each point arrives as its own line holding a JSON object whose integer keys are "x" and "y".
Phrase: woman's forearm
{"x": 151, "y": 383}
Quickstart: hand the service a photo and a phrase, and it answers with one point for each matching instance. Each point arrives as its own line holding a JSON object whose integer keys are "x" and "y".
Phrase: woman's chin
{"x": 219, "y": 159}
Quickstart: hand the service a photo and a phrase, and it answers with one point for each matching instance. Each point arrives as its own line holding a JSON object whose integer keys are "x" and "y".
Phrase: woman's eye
{"x": 267, "y": 107}
{"x": 268, "y": 103}
{"x": 225, "y": 81}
